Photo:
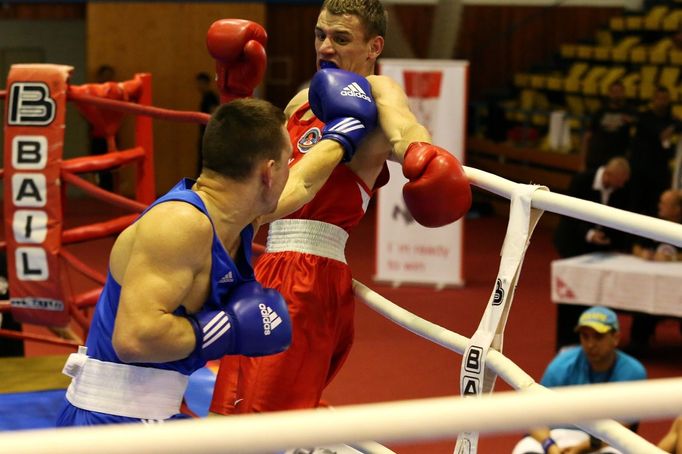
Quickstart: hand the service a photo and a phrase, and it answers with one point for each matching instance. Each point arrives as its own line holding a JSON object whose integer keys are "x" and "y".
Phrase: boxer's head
{"x": 246, "y": 139}
{"x": 350, "y": 34}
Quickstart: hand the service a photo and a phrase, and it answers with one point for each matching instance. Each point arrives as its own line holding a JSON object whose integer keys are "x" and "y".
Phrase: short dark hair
{"x": 240, "y": 134}
{"x": 371, "y": 13}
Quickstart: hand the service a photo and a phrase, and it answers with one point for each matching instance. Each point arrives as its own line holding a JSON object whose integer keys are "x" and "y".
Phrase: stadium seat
{"x": 654, "y": 18}
{"x": 621, "y": 51}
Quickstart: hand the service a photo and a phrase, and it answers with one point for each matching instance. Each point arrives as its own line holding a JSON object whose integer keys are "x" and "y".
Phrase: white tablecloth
{"x": 619, "y": 281}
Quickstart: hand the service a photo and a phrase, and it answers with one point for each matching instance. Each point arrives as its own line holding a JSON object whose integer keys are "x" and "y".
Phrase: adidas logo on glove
{"x": 270, "y": 319}
{"x": 356, "y": 91}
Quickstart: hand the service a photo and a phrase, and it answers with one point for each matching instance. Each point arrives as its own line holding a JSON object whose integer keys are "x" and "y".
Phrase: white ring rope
{"x": 626, "y": 221}
{"x": 403, "y": 421}
{"x": 584, "y": 406}
{"x": 608, "y": 430}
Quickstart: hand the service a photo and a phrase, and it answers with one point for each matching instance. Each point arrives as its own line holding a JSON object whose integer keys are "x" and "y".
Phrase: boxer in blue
{"x": 180, "y": 289}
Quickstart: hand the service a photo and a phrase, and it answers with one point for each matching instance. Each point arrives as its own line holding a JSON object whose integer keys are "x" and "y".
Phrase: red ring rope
{"x": 68, "y": 173}
{"x": 137, "y": 109}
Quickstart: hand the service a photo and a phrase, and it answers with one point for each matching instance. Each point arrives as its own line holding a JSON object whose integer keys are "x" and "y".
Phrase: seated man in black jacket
{"x": 605, "y": 185}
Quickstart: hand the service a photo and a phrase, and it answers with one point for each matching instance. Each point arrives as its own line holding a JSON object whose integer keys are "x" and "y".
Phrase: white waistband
{"x": 122, "y": 389}
{"x": 308, "y": 237}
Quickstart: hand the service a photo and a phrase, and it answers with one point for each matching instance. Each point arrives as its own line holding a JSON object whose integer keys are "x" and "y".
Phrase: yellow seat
{"x": 654, "y": 18}
{"x": 539, "y": 118}
{"x": 568, "y": 50}
{"x": 622, "y": 50}
{"x": 671, "y": 22}
{"x": 617, "y": 23}
{"x": 604, "y": 38}
{"x": 646, "y": 90}
{"x": 577, "y": 70}
{"x": 602, "y": 53}
{"x": 538, "y": 81}
{"x": 522, "y": 80}
{"x": 647, "y": 82}
{"x": 631, "y": 83}
{"x": 555, "y": 81}
{"x": 649, "y": 74}
{"x": 677, "y": 110}
{"x": 527, "y": 99}
{"x": 575, "y": 74}
{"x": 575, "y": 123}
{"x": 604, "y": 44}
{"x": 658, "y": 54}
{"x": 585, "y": 51}
{"x": 675, "y": 56}
{"x": 634, "y": 23}
{"x": 639, "y": 54}
{"x": 591, "y": 80}
{"x": 668, "y": 79}
{"x": 612, "y": 75}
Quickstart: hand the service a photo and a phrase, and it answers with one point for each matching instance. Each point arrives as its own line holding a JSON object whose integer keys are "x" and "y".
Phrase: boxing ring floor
{"x": 389, "y": 363}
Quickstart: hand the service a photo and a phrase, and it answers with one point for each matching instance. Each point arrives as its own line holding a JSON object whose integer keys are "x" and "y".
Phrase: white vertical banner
{"x": 406, "y": 251}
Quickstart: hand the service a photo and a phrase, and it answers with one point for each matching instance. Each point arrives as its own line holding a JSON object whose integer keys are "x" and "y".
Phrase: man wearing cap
{"x": 596, "y": 360}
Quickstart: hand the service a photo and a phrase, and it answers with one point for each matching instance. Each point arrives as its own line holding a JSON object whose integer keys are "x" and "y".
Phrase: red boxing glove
{"x": 438, "y": 192}
{"x": 238, "y": 47}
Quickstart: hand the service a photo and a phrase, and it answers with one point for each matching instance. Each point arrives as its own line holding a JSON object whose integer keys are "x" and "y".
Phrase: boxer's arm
{"x": 672, "y": 441}
{"x": 348, "y": 119}
{"x": 306, "y": 178}
{"x": 438, "y": 191}
{"x": 542, "y": 435}
{"x": 395, "y": 117}
{"x": 163, "y": 264}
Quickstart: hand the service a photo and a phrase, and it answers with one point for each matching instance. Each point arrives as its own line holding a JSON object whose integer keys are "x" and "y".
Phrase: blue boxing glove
{"x": 254, "y": 321}
{"x": 343, "y": 100}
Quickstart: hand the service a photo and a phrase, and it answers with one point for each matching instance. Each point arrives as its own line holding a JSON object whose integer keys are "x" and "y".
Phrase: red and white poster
{"x": 35, "y": 110}
{"x": 406, "y": 251}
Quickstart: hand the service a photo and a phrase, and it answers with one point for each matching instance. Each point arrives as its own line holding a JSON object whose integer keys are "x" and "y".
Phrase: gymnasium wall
{"x": 167, "y": 39}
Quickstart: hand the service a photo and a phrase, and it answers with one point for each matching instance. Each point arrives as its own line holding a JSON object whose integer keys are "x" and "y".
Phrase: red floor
{"x": 388, "y": 363}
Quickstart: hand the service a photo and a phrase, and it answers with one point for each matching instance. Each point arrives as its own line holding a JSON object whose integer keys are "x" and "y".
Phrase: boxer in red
{"x": 304, "y": 256}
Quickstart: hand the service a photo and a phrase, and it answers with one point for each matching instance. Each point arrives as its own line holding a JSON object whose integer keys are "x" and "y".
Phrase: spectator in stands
{"x": 609, "y": 133}
{"x": 573, "y": 237}
{"x": 669, "y": 209}
{"x": 651, "y": 153}
{"x": 596, "y": 360}
{"x": 672, "y": 441}
{"x": 644, "y": 325}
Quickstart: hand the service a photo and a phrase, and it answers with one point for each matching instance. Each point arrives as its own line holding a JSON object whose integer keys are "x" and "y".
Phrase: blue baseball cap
{"x": 599, "y": 318}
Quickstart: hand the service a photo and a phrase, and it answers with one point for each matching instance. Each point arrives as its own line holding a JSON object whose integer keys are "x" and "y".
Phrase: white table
{"x": 619, "y": 281}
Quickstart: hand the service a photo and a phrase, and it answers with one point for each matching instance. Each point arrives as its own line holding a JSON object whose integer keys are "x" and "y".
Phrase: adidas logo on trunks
{"x": 355, "y": 90}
